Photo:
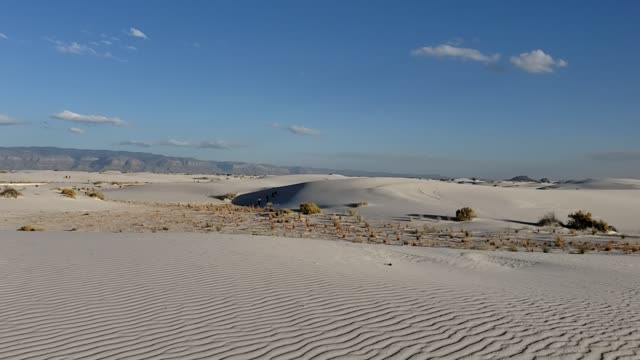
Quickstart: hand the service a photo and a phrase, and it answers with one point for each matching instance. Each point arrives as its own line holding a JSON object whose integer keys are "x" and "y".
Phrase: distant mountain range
{"x": 51, "y": 158}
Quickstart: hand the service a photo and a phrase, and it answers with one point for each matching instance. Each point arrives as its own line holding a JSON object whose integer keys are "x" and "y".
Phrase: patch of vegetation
{"x": 283, "y": 211}
{"x": 358, "y": 204}
{"x": 10, "y": 193}
{"x": 465, "y": 214}
{"x": 549, "y": 219}
{"x": 581, "y": 220}
{"x": 70, "y": 193}
{"x": 310, "y": 208}
{"x": 226, "y": 197}
{"x": 95, "y": 194}
{"x": 30, "y": 228}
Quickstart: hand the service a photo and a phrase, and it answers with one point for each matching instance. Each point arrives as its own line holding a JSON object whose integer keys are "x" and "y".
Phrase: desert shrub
{"x": 283, "y": 211}
{"x": 10, "y": 193}
{"x": 465, "y": 214}
{"x": 359, "y": 204}
{"x": 226, "y": 197}
{"x": 68, "y": 193}
{"x": 30, "y": 228}
{"x": 309, "y": 208}
{"x": 581, "y": 220}
{"x": 549, "y": 219}
{"x": 95, "y": 194}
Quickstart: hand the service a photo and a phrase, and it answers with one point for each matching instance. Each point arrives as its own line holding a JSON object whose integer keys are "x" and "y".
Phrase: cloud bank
{"x": 87, "y": 119}
{"x": 76, "y": 130}
{"x": 6, "y": 120}
{"x": 537, "y": 61}
{"x": 454, "y": 52}
{"x": 208, "y": 144}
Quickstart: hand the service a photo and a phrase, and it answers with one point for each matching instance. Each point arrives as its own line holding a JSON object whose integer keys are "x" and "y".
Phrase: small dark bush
{"x": 30, "y": 228}
{"x": 95, "y": 194}
{"x": 310, "y": 208}
{"x": 581, "y": 220}
{"x": 549, "y": 219}
{"x": 10, "y": 193}
{"x": 226, "y": 197}
{"x": 465, "y": 214}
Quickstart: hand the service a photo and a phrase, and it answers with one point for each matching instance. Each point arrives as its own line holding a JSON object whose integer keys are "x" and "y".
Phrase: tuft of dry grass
{"x": 310, "y": 208}
{"x": 30, "y": 228}
{"x": 95, "y": 194}
{"x": 70, "y": 193}
{"x": 465, "y": 214}
{"x": 10, "y": 192}
{"x": 226, "y": 197}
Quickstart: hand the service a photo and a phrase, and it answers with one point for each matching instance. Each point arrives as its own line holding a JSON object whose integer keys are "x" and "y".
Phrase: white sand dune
{"x": 400, "y": 197}
{"x": 187, "y": 296}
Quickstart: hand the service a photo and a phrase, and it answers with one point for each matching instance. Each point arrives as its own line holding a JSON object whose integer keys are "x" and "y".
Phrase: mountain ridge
{"x": 70, "y": 159}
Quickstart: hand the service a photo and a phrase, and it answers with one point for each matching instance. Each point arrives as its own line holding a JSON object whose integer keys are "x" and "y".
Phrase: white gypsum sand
{"x": 188, "y": 296}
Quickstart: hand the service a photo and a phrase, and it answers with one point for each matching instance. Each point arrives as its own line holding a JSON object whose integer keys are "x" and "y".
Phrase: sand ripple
{"x": 101, "y": 296}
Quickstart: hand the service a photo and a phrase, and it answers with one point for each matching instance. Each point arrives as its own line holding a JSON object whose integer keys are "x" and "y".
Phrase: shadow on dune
{"x": 519, "y": 222}
{"x": 433, "y": 217}
{"x": 279, "y": 197}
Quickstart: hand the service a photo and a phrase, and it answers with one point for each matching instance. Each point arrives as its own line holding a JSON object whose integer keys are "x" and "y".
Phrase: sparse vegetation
{"x": 549, "y": 219}
{"x": 95, "y": 194}
{"x": 30, "y": 228}
{"x": 70, "y": 193}
{"x": 226, "y": 197}
{"x": 310, "y": 208}
{"x": 581, "y": 220}
{"x": 10, "y": 193}
{"x": 359, "y": 204}
{"x": 465, "y": 214}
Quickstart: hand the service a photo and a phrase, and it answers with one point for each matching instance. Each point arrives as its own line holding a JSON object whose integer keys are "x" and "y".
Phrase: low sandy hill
{"x": 188, "y": 296}
{"x": 394, "y": 198}
{"x": 206, "y": 191}
{"x": 598, "y": 184}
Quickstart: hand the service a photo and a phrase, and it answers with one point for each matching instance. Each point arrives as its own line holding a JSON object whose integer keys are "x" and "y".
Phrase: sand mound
{"x": 108, "y": 296}
{"x": 598, "y": 184}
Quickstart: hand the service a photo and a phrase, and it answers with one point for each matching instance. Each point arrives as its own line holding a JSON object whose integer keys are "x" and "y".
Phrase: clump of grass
{"x": 70, "y": 193}
{"x": 359, "y": 204}
{"x": 95, "y": 194}
{"x": 10, "y": 193}
{"x": 549, "y": 219}
{"x": 310, "y": 208}
{"x": 226, "y": 197}
{"x": 352, "y": 212}
{"x": 465, "y": 214}
{"x": 581, "y": 220}
{"x": 283, "y": 211}
{"x": 30, "y": 228}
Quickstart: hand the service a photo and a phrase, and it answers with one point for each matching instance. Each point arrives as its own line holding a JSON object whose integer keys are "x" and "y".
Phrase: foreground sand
{"x": 211, "y": 296}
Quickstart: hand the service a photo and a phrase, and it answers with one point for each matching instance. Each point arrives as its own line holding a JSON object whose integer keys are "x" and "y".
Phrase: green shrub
{"x": 310, "y": 208}
{"x": 581, "y": 220}
{"x": 10, "y": 193}
{"x": 95, "y": 194}
{"x": 70, "y": 193}
{"x": 283, "y": 211}
{"x": 465, "y": 214}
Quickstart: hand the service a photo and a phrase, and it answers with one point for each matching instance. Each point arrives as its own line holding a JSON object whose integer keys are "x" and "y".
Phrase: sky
{"x": 458, "y": 88}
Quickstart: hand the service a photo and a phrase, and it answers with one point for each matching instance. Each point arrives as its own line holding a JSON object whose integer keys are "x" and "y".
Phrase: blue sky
{"x": 459, "y": 88}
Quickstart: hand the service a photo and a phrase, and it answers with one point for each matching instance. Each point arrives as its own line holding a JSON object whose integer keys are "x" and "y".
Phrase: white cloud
{"x": 106, "y": 42}
{"x": 449, "y": 51}
{"x": 297, "y": 129}
{"x": 76, "y": 130}
{"x": 135, "y": 143}
{"x": 137, "y": 33}
{"x": 173, "y": 142}
{"x": 6, "y": 120}
{"x": 3, "y": 36}
{"x": 131, "y": 47}
{"x": 87, "y": 119}
{"x": 537, "y": 62}
{"x": 72, "y": 48}
{"x": 218, "y": 144}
